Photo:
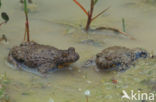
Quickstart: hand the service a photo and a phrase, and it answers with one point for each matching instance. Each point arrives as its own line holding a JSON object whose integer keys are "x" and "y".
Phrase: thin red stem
{"x": 86, "y": 98}
{"x": 27, "y": 27}
{"x": 85, "y": 11}
{"x": 25, "y": 33}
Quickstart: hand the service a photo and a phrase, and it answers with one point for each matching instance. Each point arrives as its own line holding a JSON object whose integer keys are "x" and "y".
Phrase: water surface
{"x": 58, "y": 23}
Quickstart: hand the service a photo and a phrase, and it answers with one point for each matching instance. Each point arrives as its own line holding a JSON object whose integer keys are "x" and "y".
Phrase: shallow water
{"x": 53, "y": 22}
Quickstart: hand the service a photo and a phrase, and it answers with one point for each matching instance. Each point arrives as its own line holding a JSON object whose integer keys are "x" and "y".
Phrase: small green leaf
{"x": 5, "y": 16}
{"x": 95, "y": 1}
{"x": 25, "y": 6}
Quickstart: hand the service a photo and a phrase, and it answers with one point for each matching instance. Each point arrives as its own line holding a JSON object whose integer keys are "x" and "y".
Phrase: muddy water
{"x": 58, "y": 23}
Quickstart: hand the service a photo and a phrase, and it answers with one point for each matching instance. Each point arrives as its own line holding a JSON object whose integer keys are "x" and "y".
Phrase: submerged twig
{"x": 115, "y": 30}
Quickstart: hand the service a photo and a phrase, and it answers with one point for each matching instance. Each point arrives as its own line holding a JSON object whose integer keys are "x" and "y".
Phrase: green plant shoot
{"x": 123, "y": 25}
{"x": 25, "y": 6}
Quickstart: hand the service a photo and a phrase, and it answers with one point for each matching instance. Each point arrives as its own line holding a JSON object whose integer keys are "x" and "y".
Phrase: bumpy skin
{"x": 42, "y": 57}
{"x": 119, "y": 58}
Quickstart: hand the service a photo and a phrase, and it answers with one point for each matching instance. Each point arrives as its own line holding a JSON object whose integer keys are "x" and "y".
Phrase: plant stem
{"x": 86, "y": 98}
{"x": 27, "y": 27}
{"x": 100, "y": 13}
{"x": 91, "y": 18}
{"x": 25, "y": 33}
{"x": 90, "y": 14}
{"x": 85, "y": 11}
{"x": 27, "y": 21}
{"x": 123, "y": 25}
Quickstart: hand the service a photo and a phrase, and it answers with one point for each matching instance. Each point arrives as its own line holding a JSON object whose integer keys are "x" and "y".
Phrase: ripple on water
{"x": 32, "y": 70}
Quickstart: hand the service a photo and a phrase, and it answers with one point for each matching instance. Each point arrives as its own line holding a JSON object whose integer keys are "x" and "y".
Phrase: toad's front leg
{"x": 45, "y": 68}
{"x": 12, "y": 61}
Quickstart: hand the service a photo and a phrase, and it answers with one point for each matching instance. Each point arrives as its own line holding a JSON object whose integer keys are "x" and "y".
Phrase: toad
{"x": 41, "y": 57}
{"x": 117, "y": 58}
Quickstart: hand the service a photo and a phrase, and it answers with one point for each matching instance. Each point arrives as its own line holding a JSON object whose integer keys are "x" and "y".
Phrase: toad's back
{"x": 35, "y": 54}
